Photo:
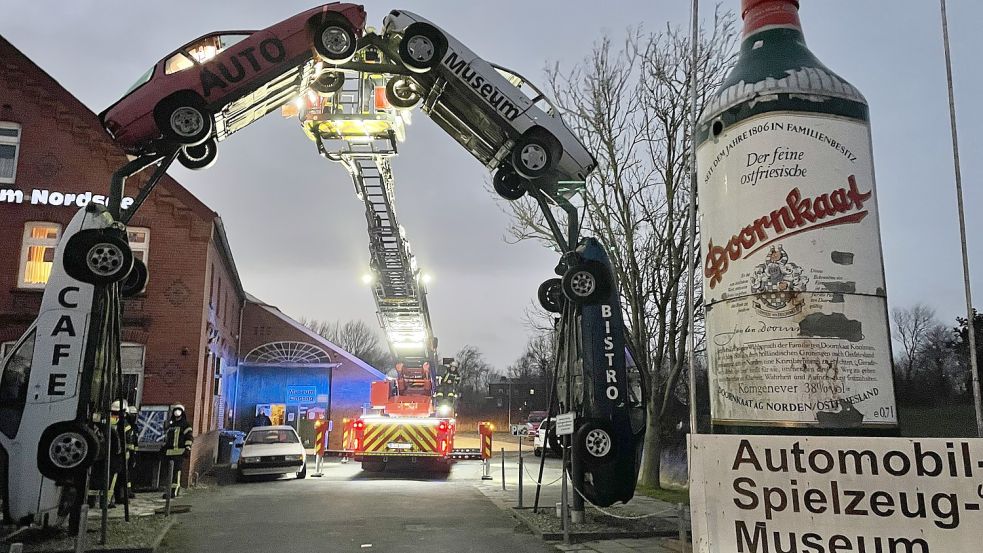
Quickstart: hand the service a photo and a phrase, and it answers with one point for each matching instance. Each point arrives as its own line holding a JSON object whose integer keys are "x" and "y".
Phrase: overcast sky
{"x": 298, "y": 232}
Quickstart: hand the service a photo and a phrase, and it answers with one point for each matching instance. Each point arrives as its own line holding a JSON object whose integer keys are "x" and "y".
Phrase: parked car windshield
{"x": 143, "y": 79}
{"x": 272, "y": 437}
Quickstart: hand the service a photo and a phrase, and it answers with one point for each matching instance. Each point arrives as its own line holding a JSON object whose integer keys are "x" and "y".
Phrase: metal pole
{"x": 520, "y": 472}
{"x": 167, "y": 494}
{"x": 691, "y": 247}
{"x": 503, "y": 469}
{"x": 970, "y": 326}
{"x": 564, "y": 506}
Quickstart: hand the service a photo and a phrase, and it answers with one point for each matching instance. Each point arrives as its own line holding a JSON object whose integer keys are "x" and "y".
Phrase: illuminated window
{"x": 9, "y": 144}
{"x": 37, "y": 254}
{"x": 133, "y": 362}
{"x": 139, "y": 238}
{"x": 177, "y": 62}
{"x": 201, "y": 51}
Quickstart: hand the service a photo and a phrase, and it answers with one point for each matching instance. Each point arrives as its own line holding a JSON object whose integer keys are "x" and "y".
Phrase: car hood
{"x": 256, "y": 450}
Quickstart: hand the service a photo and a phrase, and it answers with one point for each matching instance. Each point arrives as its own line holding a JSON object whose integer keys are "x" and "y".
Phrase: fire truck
{"x": 411, "y": 418}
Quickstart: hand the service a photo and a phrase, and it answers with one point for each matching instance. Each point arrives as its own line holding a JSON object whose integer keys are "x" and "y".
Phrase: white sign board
{"x": 766, "y": 494}
{"x": 564, "y": 424}
{"x": 519, "y": 429}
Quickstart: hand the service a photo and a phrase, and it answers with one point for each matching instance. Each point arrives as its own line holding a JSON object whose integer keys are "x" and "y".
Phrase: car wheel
{"x": 586, "y": 283}
{"x": 533, "y": 156}
{"x": 184, "y": 122}
{"x": 198, "y": 157}
{"x": 66, "y": 450}
{"x": 595, "y": 443}
{"x": 538, "y": 452}
{"x": 335, "y": 41}
{"x": 328, "y": 82}
{"x": 508, "y": 183}
{"x": 97, "y": 257}
{"x": 551, "y": 295}
{"x": 136, "y": 281}
{"x": 422, "y": 47}
{"x": 303, "y": 472}
{"x": 402, "y": 93}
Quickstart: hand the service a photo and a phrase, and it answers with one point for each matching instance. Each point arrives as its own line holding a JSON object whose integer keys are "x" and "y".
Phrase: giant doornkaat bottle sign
{"x": 796, "y": 308}
{"x": 794, "y": 283}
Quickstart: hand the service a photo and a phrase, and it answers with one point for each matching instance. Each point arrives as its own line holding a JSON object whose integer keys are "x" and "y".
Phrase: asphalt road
{"x": 348, "y": 510}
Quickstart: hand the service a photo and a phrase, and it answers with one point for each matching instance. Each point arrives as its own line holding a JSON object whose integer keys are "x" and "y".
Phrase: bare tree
{"x": 356, "y": 337}
{"x": 629, "y": 105}
{"x": 911, "y": 327}
{"x": 474, "y": 371}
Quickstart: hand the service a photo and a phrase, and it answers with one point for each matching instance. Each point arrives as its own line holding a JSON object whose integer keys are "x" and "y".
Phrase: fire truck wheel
{"x": 66, "y": 450}
{"x": 303, "y": 472}
{"x": 587, "y": 283}
{"x": 508, "y": 183}
{"x": 97, "y": 257}
{"x": 200, "y": 156}
{"x": 534, "y": 155}
{"x": 402, "y": 93}
{"x": 373, "y": 466}
{"x": 136, "y": 281}
{"x": 595, "y": 443}
{"x": 422, "y": 47}
{"x": 335, "y": 41}
{"x": 183, "y": 119}
{"x": 328, "y": 82}
{"x": 551, "y": 295}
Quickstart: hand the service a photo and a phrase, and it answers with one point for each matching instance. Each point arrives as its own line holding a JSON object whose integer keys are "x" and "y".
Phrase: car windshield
{"x": 143, "y": 79}
{"x": 13, "y": 385}
{"x": 272, "y": 437}
{"x": 536, "y": 417}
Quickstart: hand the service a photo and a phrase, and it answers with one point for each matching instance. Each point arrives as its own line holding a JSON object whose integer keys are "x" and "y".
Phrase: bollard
{"x": 503, "y": 469}
{"x": 683, "y": 538}
{"x": 167, "y": 493}
{"x": 520, "y": 479}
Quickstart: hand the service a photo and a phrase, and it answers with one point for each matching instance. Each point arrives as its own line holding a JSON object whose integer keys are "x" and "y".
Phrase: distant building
{"x": 522, "y": 394}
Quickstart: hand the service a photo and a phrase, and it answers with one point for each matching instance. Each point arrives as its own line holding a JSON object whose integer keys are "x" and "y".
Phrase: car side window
{"x": 177, "y": 62}
{"x": 13, "y": 385}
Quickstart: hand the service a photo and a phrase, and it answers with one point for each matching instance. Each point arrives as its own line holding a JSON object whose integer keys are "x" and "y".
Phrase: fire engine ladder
{"x": 398, "y": 289}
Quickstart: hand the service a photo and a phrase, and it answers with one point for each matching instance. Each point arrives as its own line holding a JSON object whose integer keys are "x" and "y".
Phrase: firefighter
{"x": 130, "y": 444}
{"x": 178, "y": 439}
{"x": 114, "y": 448}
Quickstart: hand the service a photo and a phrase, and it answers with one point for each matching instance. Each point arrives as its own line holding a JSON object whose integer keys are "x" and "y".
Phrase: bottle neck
{"x": 762, "y": 15}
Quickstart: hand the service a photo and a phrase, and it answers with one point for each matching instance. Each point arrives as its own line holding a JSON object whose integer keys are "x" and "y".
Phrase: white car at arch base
{"x": 272, "y": 451}
{"x": 507, "y": 123}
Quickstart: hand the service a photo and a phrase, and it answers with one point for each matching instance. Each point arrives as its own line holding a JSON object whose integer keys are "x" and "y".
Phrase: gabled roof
{"x": 317, "y": 338}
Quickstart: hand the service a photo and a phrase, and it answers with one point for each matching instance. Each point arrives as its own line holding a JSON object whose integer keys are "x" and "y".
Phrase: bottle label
{"x": 797, "y": 327}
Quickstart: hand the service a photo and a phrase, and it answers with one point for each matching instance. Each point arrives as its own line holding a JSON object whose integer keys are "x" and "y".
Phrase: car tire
{"x": 335, "y": 41}
{"x": 184, "y": 121}
{"x": 401, "y": 93}
{"x": 422, "y": 47}
{"x": 199, "y": 156}
{"x": 508, "y": 184}
{"x": 534, "y": 156}
{"x": 303, "y": 472}
{"x": 328, "y": 82}
{"x": 550, "y": 295}
{"x": 538, "y": 452}
{"x": 66, "y": 450}
{"x": 595, "y": 443}
{"x": 587, "y": 283}
{"x": 98, "y": 257}
{"x": 136, "y": 281}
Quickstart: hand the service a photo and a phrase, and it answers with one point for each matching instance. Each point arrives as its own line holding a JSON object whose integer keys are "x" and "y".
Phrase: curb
{"x": 581, "y": 536}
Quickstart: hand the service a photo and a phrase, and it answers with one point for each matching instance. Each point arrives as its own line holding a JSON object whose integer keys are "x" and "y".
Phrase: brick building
{"x": 181, "y": 335}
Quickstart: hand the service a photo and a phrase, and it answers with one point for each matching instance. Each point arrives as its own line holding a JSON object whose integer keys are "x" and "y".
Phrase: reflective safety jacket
{"x": 178, "y": 438}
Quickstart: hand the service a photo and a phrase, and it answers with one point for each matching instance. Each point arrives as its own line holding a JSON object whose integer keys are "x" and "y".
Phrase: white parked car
{"x": 272, "y": 450}
{"x": 51, "y": 381}
{"x": 497, "y": 115}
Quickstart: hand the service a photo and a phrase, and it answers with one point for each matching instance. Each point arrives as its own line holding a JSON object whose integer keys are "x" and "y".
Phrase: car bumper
{"x": 260, "y": 469}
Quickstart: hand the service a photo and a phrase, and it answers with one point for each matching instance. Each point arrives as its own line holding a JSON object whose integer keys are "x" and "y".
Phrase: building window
{"x": 139, "y": 238}
{"x": 133, "y": 362}
{"x": 37, "y": 254}
{"x": 9, "y": 144}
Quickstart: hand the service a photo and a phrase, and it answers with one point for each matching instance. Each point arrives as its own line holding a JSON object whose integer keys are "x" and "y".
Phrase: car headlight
{"x": 250, "y": 459}
{"x": 293, "y": 457}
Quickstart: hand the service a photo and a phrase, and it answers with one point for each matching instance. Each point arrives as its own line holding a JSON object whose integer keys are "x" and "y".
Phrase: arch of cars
{"x": 215, "y": 85}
